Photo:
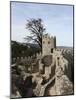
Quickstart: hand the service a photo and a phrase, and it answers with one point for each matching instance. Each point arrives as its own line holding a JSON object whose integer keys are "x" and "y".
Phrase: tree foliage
{"x": 20, "y": 50}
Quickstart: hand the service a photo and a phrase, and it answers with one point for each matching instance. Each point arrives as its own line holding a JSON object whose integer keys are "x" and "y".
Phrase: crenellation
{"x": 48, "y": 44}
{"x": 50, "y": 63}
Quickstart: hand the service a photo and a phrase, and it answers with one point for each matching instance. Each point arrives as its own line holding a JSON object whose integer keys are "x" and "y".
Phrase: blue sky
{"x": 57, "y": 19}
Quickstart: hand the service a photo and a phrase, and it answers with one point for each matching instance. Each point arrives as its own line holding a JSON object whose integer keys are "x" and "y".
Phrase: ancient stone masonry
{"x": 53, "y": 59}
{"x": 48, "y": 44}
{"x": 52, "y": 68}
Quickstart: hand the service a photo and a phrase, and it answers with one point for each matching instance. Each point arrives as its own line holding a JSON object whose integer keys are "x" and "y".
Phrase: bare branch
{"x": 35, "y": 26}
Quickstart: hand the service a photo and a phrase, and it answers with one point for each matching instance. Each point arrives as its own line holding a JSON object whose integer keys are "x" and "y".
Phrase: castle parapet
{"x": 48, "y": 44}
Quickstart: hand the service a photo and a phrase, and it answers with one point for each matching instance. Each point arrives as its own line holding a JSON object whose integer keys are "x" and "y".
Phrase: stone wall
{"x": 48, "y": 44}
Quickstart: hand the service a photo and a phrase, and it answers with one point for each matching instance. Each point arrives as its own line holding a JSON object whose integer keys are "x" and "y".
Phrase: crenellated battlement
{"x": 48, "y": 44}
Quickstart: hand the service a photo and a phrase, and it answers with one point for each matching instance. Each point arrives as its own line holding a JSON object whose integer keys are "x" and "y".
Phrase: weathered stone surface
{"x": 47, "y": 60}
{"x": 48, "y": 43}
{"x": 52, "y": 91}
{"x": 63, "y": 86}
{"x": 50, "y": 71}
{"x": 37, "y": 89}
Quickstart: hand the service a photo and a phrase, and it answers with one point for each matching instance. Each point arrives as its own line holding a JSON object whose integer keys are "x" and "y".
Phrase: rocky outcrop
{"x": 63, "y": 86}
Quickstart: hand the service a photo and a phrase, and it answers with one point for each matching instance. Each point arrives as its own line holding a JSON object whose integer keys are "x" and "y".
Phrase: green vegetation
{"x": 22, "y": 50}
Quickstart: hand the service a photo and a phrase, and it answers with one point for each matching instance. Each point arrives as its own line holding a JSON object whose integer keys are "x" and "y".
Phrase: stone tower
{"x": 48, "y": 44}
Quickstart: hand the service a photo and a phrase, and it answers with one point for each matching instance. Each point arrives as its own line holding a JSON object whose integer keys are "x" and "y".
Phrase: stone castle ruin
{"x": 48, "y": 44}
{"x": 52, "y": 64}
{"x": 55, "y": 74}
{"x": 51, "y": 57}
